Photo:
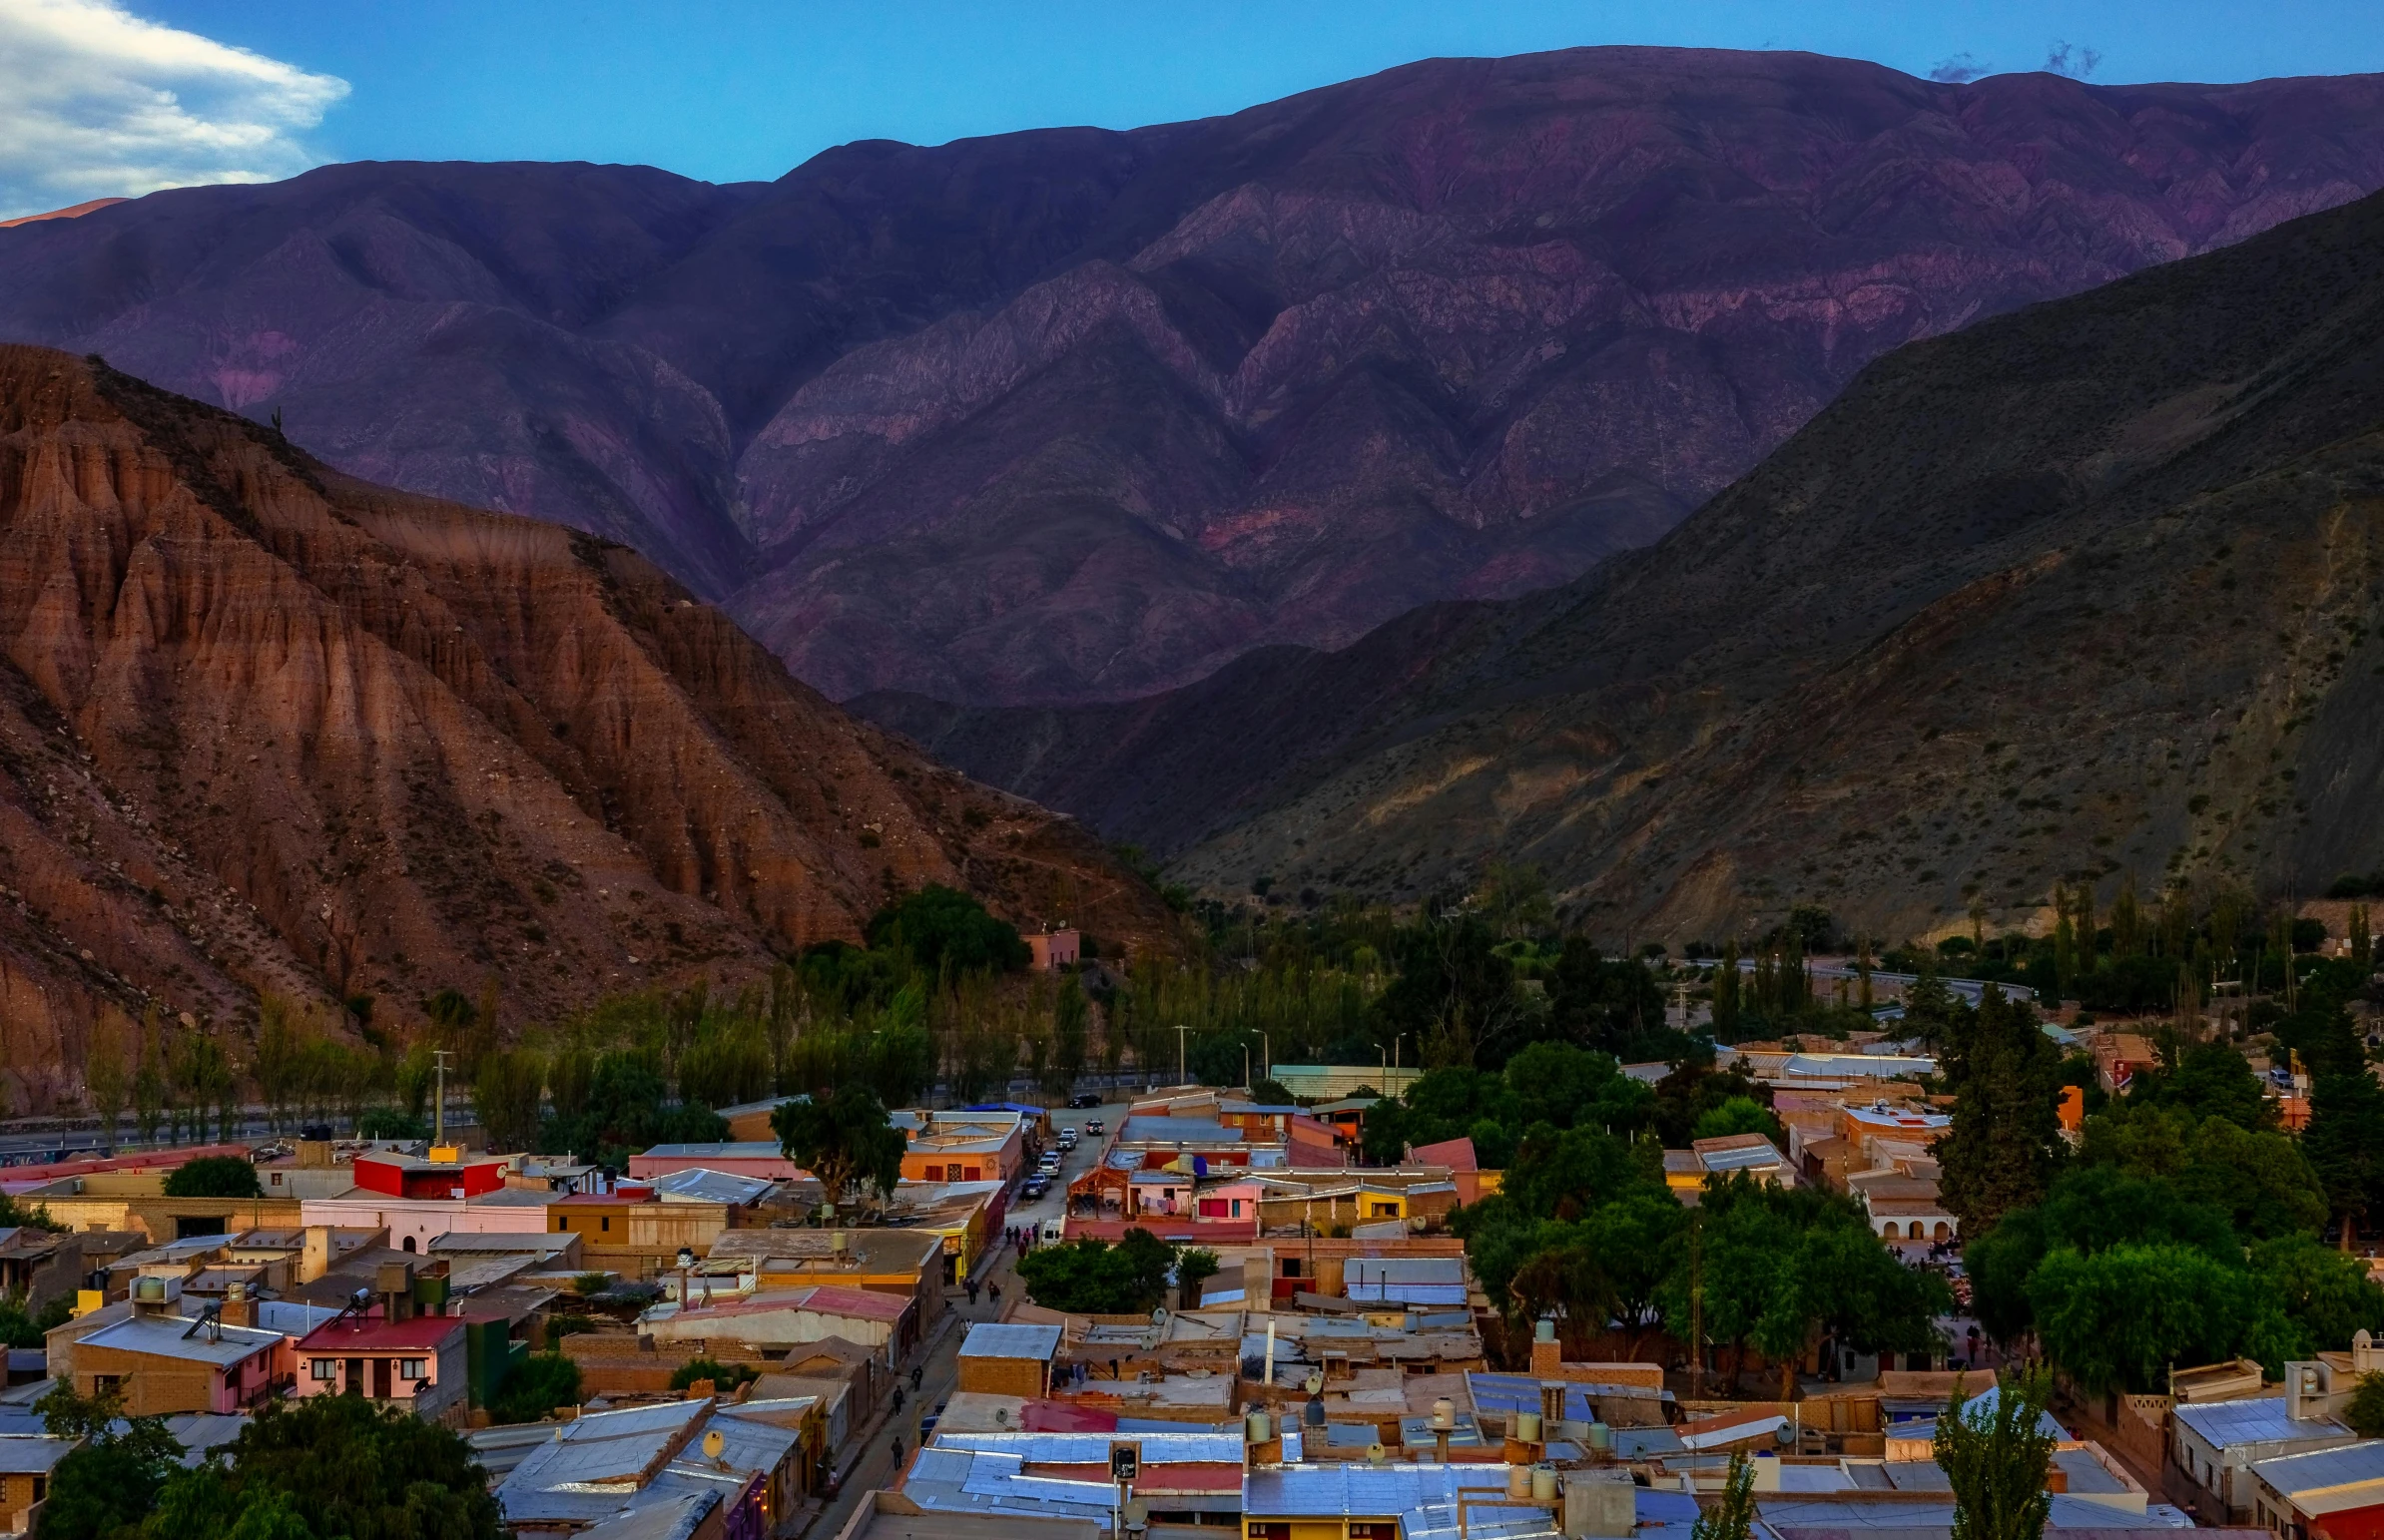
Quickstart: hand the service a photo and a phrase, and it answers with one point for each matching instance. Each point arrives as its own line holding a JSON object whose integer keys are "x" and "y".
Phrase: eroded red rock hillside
{"x": 263, "y": 727}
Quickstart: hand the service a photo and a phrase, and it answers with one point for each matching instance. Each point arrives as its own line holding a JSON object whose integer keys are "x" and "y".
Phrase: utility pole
{"x": 1180, "y": 1030}
{"x": 438, "y": 1110}
{"x": 1696, "y": 1307}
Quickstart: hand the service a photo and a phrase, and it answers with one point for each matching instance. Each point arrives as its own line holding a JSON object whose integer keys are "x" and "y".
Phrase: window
{"x": 412, "y": 1369}
{"x": 605, "y": 1223}
{"x": 324, "y": 1369}
{"x": 104, "y": 1384}
{"x": 41, "y": 1487}
{"x": 1237, "y": 1208}
{"x": 1212, "y": 1207}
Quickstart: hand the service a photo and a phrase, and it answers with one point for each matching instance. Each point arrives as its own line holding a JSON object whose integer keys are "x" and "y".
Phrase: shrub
{"x": 533, "y": 1387}
{"x": 725, "y": 1377}
{"x": 215, "y": 1176}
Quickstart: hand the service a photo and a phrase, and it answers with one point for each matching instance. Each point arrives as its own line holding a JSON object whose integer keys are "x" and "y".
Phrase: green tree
{"x": 106, "y": 1076}
{"x": 1567, "y": 1086}
{"x": 508, "y": 1091}
{"x": 1994, "y": 1457}
{"x": 1740, "y": 1115}
{"x": 214, "y": 1175}
{"x": 2004, "y": 1143}
{"x": 843, "y": 1139}
{"x": 1732, "y": 1517}
{"x": 943, "y": 928}
{"x": 2365, "y": 1411}
{"x": 2118, "y": 1319}
{"x": 535, "y": 1386}
{"x": 1194, "y": 1265}
{"x": 101, "y": 1490}
{"x": 1725, "y": 996}
{"x": 332, "y": 1465}
{"x": 725, "y": 1377}
{"x": 2345, "y": 1146}
{"x": 1090, "y": 1277}
{"x": 2325, "y": 1295}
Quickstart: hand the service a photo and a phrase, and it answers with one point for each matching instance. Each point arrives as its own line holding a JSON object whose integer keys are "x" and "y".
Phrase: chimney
{"x": 394, "y": 1283}
{"x": 240, "y": 1308}
{"x": 314, "y": 1252}
{"x": 151, "y": 1296}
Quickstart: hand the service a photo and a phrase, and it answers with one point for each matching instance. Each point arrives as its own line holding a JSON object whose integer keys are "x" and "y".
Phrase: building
{"x": 25, "y": 1463}
{"x": 447, "y": 1172}
{"x": 1060, "y": 947}
{"x": 1009, "y": 1358}
{"x": 1330, "y": 1082}
{"x": 770, "y": 1320}
{"x": 640, "y": 1237}
{"x": 416, "y": 1218}
{"x": 1685, "y": 1170}
{"x": 162, "y": 1363}
{"x": 416, "y": 1363}
{"x": 2326, "y": 1494}
{"x": 2218, "y": 1442}
{"x": 737, "y": 1157}
{"x": 906, "y": 1264}
{"x": 656, "y": 1464}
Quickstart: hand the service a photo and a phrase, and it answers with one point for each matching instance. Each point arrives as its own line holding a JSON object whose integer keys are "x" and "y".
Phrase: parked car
{"x": 1084, "y": 1099}
{"x": 1067, "y": 1139}
{"x": 1037, "y": 1186}
{"x": 1092, "y": 1125}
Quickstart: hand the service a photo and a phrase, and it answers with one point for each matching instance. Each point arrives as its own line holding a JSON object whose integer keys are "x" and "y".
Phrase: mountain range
{"x": 2089, "y": 591}
{"x": 268, "y": 728}
{"x": 1076, "y": 415}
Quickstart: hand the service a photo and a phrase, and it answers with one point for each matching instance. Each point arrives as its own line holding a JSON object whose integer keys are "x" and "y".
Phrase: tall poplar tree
{"x": 2004, "y": 1143}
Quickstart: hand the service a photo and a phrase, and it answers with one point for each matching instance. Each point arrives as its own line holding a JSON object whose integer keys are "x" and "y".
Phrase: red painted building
{"x": 412, "y": 1175}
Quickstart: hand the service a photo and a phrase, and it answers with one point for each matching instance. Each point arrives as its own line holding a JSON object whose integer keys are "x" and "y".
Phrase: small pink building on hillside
{"x": 1059, "y": 948}
{"x": 413, "y": 1223}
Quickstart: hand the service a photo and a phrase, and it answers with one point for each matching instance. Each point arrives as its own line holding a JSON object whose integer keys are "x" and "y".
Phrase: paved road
{"x": 870, "y": 1457}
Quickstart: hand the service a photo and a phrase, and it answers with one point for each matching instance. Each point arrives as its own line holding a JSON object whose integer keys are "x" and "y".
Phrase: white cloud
{"x": 99, "y": 103}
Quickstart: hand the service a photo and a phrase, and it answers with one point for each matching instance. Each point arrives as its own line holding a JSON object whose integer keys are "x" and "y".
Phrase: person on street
{"x": 995, "y": 1290}
{"x": 897, "y": 1451}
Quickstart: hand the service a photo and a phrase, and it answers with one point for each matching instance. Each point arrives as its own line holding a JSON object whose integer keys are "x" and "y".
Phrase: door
{"x": 380, "y": 1380}
{"x": 355, "y": 1377}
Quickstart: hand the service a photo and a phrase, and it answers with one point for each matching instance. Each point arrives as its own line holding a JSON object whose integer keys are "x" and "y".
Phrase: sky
{"x": 113, "y": 98}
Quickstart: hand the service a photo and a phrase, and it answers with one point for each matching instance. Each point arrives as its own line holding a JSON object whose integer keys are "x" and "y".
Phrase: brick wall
{"x": 1029, "y": 1377}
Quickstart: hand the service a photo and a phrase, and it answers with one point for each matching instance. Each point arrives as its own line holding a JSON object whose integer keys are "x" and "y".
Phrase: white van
{"x": 1052, "y": 1233}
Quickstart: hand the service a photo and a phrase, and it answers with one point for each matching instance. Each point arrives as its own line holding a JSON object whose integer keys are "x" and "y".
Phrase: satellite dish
{"x": 714, "y": 1444}
{"x": 1315, "y": 1383}
{"x": 1375, "y": 1453}
{"x": 1159, "y": 1316}
{"x": 1001, "y": 1416}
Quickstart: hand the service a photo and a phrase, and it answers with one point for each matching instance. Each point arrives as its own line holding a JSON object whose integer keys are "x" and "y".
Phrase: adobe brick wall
{"x": 1029, "y": 1377}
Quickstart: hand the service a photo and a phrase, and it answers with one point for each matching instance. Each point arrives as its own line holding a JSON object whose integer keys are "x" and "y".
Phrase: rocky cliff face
{"x": 2091, "y": 589}
{"x": 1077, "y": 416}
{"x": 266, "y": 726}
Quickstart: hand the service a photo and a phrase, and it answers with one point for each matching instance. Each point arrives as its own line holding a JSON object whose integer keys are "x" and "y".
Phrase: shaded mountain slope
{"x": 2087, "y": 588}
{"x": 1076, "y": 415}
{"x": 264, "y": 726}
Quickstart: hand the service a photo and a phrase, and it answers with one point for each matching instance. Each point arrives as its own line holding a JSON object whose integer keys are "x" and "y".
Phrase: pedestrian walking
{"x": 996, "y": 1289}
{"x": 971, "y": 1285}
{"x": 897, "y": 1451}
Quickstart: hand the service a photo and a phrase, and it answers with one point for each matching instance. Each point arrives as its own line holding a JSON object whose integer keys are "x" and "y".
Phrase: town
{"x": 1775, "y": 1280}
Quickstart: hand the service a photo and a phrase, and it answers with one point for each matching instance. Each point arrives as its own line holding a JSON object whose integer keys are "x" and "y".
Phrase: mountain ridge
{"x": 1079, "y": 414}
{"x": 2125, "y": 627}
{"x": 268, "y": 728}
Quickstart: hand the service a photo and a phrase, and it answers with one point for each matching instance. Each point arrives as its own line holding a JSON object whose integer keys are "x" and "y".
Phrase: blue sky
{"x": 737, "y": 90}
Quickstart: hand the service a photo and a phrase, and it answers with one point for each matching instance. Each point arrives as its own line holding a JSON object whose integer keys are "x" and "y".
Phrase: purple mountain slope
{"x": 1076, "y": 415}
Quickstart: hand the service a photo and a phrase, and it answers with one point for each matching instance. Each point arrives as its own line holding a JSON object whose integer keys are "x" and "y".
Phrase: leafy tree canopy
{"x": 1092, "y": 1277}
{"x": 326, "y": 1466}
{"x": 944, "y": 927}
{"x": 844, "y": 1139}
{"x": 215, "y": 1176}
{"x": 535, "y": 1386}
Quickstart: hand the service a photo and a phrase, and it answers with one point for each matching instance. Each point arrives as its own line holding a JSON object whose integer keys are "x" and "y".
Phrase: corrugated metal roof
{"x": 2344, "y": 1466}
{"x": 1010, "y": 1339}
{"x": 2252, "y": 1420}
{"x": 1207, "y": 1449}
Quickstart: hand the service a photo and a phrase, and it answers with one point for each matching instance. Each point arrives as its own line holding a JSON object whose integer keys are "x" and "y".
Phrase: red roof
{"x": 1456, "y": 1153}
{"x": 374, "y": 1335}
{"x": 1060, "y": 1417}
